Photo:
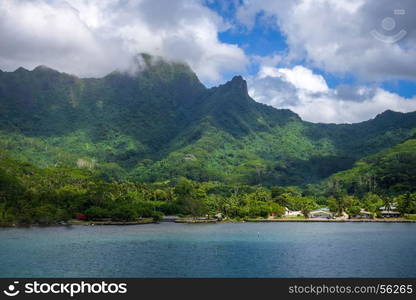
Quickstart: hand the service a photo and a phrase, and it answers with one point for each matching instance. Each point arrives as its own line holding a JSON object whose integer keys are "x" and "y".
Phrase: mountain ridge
{"x": 146, "y": 126}
{"x": 235, "y": 79}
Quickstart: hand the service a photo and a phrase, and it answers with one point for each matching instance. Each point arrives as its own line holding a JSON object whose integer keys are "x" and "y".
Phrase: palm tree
{"x": 342, "y": 203}
{"x": 387, "y": 203}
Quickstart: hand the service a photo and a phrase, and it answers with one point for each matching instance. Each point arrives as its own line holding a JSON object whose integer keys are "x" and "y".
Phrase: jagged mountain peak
{"x": 40, "y": 68}
{"x": 147, "y": 62}
{"x": 21, "y": 70}
{"x": 43, "y": 68}
{"x": 239, "y": 83}
{"x": 388, "y": 113}
{"x": 236, "y": 84}
{"x": 395, "y": 118}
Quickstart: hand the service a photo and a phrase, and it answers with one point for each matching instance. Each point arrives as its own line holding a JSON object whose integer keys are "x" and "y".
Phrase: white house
{"x": 321, "y": 213}
{"x": 292, "y": 213}
{"x": 389, "y": 212}
{"x": 364, "y": 214}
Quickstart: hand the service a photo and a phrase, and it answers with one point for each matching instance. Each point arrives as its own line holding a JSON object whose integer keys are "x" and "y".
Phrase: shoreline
{"x": 210, "y": 221}
{"x": 117, "y": 223}
{"x": 332, "y": 220}
{"x": 290, "y": 220}
{"x": 143, "y": 221}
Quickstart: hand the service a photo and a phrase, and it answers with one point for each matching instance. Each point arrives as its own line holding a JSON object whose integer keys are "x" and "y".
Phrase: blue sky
{"x": 266, "y": 39}
{"x": 351, "y": 83}
{"x": 404, "y": 88}
{"x": 330, "y": 61}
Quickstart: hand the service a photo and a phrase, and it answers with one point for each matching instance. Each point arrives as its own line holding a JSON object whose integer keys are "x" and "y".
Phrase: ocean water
{"x": 211, "y": 250}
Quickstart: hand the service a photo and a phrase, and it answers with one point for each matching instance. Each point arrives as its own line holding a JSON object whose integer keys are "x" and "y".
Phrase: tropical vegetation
{"x": 129, "y": 146}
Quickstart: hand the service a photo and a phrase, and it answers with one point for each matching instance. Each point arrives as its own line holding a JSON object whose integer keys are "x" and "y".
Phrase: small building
{"x": 219, "y": 216}
{"x": 321, "y": 213}
{"x": 343, "y": 216}
{"x": 80, "y": 217}
{"x": 292, "y": 213}
{"x": 389, "y": 214}
{"x": 364, "y": 215}
{"x": 391, "y": 208}
{"x": 189, "y": 157}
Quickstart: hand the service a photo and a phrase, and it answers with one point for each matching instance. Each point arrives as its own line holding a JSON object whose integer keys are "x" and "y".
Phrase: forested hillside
{"x": 162, "y": 123}
{"x": 391, "y": 171}
{"x": 158, "y": 141}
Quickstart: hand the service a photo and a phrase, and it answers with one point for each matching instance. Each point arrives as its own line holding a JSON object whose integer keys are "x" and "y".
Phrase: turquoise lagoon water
{"x": 211, "y": 250}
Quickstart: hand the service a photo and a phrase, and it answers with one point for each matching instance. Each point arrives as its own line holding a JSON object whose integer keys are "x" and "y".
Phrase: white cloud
{"x": 94, "y": 37}
{"x": 299, "y": 76}
{"x": 308, "y": 95}
{"x": 335, "y": 35}
{"x": 39, "y": 32}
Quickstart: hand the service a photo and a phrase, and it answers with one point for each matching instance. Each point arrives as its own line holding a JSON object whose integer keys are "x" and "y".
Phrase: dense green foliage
{"x": 162, "y": 123}
{"x": 391, "y": 172}
{"x": 32, "y": 195}
{"x": 158, "y": 142}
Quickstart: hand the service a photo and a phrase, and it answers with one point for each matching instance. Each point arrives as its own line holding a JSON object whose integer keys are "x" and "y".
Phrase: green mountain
{"x": 162, "y": 123}
{"x": 391, "y": 171}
